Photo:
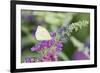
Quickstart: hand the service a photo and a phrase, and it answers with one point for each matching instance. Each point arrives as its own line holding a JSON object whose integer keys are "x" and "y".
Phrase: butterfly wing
{"x": 42, "y": 34}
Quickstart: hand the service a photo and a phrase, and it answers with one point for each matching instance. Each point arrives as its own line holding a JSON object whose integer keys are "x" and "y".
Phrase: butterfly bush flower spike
{"x": 52, "y": 47}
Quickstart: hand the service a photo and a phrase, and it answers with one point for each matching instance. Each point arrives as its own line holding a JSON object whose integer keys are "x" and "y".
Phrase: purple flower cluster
{"x": 48, "y": 44}
{"x": 52, "y": 46}
{"x": 43, "y": 44}
{"x": 46, "y": 58}
{"x": 49, "y": 57}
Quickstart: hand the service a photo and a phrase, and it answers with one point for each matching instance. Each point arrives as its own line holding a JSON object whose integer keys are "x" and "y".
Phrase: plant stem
{"x": 63, "y": 56}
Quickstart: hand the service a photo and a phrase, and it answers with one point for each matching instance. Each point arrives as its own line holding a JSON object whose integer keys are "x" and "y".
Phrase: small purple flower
{"x": 28, "y": 60}
{"x": 33, "y": 48}
{"x": 61, "y": 30}
{"x": 59, "y": 47}
{"x": 27, "y": 17}
{"x": 30, "y": 18}
{"x": 51, "y": 42}
{"x": 44, "y": 43}
{"x": 53, "y": 34}
{"x": 62, "y": 34}
{"x": 37, "y": 47}
{"x": 79, "y": 55}
{"x": 49, "y": 57}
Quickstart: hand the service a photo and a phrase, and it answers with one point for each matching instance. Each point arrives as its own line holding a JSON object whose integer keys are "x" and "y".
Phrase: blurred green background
{"x": 52, "y": 21}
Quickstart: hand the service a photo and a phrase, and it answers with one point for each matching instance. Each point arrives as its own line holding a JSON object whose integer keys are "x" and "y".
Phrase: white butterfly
{"x": 42, "y": 34}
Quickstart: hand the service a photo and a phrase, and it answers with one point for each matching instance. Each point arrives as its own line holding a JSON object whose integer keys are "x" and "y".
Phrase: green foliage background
{"x": 51, "y": 21}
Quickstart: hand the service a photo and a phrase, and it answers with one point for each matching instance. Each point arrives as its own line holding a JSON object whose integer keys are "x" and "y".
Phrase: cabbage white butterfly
{"x": 42, "y": 34}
